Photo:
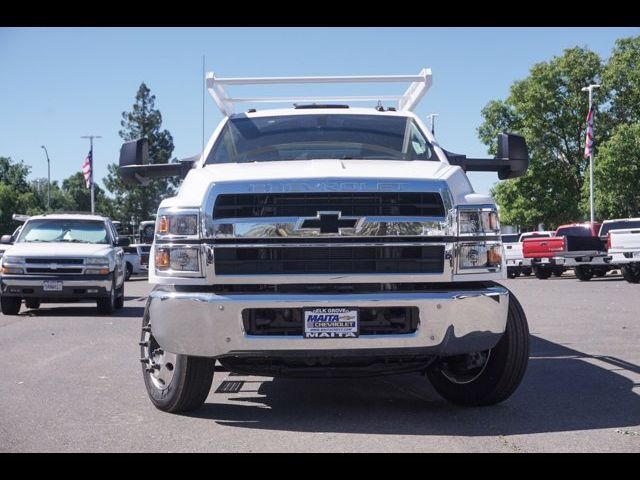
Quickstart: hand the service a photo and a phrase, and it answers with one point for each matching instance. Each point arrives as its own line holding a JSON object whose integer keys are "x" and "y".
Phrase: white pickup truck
{"x": 623, "y": 246}
{"x": 63, "y": 257}
{"x": 516, "y": 263}
{"x": 326, "y": 240}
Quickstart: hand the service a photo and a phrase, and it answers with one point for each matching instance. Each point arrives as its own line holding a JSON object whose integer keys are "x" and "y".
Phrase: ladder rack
{"x": 406, "y": 102}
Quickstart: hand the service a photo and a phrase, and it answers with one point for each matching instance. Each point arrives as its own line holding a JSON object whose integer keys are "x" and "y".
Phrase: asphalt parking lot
{"x": 72, "y": 382}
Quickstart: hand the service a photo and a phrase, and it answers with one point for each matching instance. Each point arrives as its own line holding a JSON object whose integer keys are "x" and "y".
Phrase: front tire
{"x": 497, "y": 378}
{"x": 175, "y": 383}
{"x": 10, "y": 305}
{"x": 128, "y": 271}
{"x": 631, "y": 273}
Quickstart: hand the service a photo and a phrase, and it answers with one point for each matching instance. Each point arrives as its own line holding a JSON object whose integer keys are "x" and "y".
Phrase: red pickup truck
{"x": 572, "y": 244}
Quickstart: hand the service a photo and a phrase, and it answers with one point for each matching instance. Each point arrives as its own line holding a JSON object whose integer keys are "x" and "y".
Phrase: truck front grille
{"x": 329, "y": 260}
{"x": 394, "y": 204}
{"x": 290, "y": 321}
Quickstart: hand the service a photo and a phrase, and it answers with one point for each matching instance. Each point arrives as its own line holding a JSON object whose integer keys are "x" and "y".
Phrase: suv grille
{"x": 406, "y": 204}
{"x": 59, "y": 261}
{"x": 326, "y": 260}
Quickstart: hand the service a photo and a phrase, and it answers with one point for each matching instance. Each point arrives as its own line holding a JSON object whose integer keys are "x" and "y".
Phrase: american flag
{"x": 86, "y": 169}
{"x": 588, "y": 147}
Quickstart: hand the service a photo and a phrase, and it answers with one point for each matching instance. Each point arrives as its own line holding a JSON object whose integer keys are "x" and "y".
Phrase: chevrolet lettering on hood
{"x": 326, "y": 187}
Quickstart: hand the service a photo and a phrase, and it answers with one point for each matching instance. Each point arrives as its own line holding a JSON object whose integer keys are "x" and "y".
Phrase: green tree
{"x": 549, "y": 109}
{"x": 144, "y": 120}
{"x": 621, "y": 78}
{"x": 15, "y": 194}
{"x": 78, "y": 196}
{"x": 617, "y": 174}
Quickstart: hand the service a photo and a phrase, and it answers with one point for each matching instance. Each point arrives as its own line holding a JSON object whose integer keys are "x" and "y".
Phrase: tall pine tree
{"x": 144, "y": 120}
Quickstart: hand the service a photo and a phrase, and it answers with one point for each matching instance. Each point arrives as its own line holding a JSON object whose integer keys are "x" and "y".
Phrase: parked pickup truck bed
{"x": 624, "y": 249}
{"x": 576, "y": 246}
{"x": 516, "y": 263}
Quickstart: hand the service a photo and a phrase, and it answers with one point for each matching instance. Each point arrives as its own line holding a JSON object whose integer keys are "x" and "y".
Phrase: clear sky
{"x": 57, "y": 84}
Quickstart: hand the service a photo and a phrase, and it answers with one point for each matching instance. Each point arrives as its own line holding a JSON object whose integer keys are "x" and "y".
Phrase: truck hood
{"x": 57, "y": 250}
{"x": 198, "y": 180}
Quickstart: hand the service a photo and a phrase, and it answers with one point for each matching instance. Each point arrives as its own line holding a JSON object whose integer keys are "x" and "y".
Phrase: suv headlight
{"x": 177, "y": 223}
{"x": 96, "y": 261}
{"x": 10, "y": 265}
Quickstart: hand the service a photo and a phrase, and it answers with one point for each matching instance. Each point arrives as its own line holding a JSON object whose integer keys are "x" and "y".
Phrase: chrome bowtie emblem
{"x": 328, "y": 222}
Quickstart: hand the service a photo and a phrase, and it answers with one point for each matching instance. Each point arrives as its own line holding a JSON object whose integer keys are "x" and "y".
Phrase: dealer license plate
{"x": 544, "y": 260}
{"x": 52, "y": 285}
{"x": 331, "y": 322}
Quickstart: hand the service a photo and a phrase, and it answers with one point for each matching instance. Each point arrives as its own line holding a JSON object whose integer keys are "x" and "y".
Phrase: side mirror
{"x": 135, "y": 168}
{"x": 134, "y": 152}
{"x": 511, "y": 161}
{"x": 512, "y": 149}
{"x": 6, "y": 239}
{"x": 123, "y": 242}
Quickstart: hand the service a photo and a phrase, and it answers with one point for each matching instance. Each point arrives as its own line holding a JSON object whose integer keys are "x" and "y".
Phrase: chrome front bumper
{"x": 210, "y": 325}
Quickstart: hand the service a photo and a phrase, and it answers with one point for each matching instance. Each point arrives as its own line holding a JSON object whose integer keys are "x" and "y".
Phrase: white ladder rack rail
{"x": 406, "y": 102}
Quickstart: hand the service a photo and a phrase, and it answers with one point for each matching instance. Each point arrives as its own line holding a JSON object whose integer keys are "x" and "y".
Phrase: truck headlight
{"x": 478, "y": 221}
{"x": 182, "y": 224}
{"x": 178, "y": 259}
{"x": 479, "y": 255}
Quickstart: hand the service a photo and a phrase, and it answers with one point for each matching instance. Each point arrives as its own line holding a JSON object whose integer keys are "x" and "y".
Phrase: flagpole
{"x": 591, "y": 199}
{"x": 93, "y": 199}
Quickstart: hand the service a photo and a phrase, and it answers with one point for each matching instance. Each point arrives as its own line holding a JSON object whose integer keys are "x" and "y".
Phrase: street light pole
{"x": 591, "y": 199}
{"x": 48, "y": 178}
{"x": 432, "y": 117}
{"x": 93, "y": 201}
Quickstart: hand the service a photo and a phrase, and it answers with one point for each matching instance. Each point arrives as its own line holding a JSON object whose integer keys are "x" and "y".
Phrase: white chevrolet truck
{"x": 326, "y": 240}
{"x": 59, "y": 257}
{"x": 623, "y": 246}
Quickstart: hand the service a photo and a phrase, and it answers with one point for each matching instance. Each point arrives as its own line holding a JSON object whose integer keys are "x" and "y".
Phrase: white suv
{"x": 63, "y": 256}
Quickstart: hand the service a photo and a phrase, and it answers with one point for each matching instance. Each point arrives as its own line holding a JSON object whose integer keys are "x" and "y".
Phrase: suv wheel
{"x": 175, "y": 383}
{"x": 487, "y": 378}
{"x": 107, "y": 305}
{"x": 10, "y": 305}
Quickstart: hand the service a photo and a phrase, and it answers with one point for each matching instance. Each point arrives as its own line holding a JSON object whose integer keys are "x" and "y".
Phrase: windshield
{"x": 534, "y": 234}
{"x": 320, "y": 136}
{"x": 510, "y": 238}
{"x": 59, "y": 230}
{"x": 618, "y": 225}
{"x": 574, "y": 232}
